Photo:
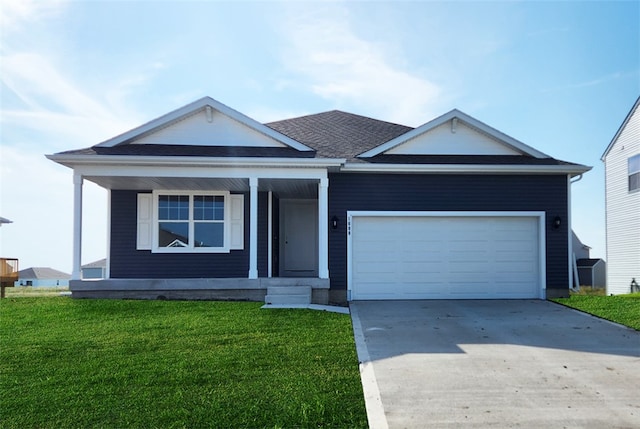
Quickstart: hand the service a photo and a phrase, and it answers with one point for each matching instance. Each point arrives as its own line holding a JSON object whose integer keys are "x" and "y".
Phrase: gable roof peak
{"x": 455, "y": 115}
{"x": 621, "y": 128}
{"x": 194, "y": 107}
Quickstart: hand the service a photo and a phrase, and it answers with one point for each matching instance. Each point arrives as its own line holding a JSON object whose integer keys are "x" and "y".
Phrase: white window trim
{"x": 155, "y": 248}
{"x": 631, "y": 172}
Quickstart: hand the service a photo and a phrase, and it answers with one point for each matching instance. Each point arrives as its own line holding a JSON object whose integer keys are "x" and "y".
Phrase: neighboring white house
{"x": 622, "y": 195}
{"x": 95, "y": 270}
{"x": 42, "y": 277}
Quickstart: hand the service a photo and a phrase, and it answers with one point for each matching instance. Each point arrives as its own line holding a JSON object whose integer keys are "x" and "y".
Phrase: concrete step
{"x": 288, "y": 295}
{"x": 289, "y": 290}
{"x": 287, "y": 299}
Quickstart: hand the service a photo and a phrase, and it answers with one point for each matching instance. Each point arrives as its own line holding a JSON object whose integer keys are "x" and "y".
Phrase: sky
{"x": 559, "y": 76}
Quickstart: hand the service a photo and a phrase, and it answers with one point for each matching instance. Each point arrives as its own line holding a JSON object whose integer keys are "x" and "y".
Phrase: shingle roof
{"x": 102, "y": 263}
{"x": 190, "y": 150}
{"x": 333, "y": 134}
{"x": 337, "y": 134}
{"x": 43, "y": 273}
{"x": 587, "y": 262}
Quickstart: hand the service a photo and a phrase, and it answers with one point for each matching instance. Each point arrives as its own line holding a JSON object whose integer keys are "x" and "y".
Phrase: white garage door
{"x": 444, "y": 257}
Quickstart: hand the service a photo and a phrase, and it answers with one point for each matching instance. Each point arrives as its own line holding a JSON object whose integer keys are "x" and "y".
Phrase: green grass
{"x": 623, "y": 309}
{"x": 172, "y": 364}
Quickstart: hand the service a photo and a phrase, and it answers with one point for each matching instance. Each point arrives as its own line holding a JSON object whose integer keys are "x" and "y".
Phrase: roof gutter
{"x": 572, "y": 170}
{"x": 72, "y": 161}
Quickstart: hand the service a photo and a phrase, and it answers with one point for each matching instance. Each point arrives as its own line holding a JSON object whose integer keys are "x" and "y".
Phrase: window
{"x": 191, "y": 222}
{"x": 634, "y": 173}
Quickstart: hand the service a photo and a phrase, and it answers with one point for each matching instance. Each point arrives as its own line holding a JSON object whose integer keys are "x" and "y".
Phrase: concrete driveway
{"x": 520, "y": 363}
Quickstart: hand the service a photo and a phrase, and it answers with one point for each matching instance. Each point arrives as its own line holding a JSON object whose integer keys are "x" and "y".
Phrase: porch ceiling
{"x": 284, "y": 188}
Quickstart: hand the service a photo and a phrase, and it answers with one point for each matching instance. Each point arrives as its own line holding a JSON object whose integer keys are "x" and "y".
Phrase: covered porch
{"x": 284, "y": 230}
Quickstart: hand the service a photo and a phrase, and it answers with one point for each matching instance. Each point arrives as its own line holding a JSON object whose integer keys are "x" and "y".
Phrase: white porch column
{"x": 323, "y": 228}
{"x": 76, "y": 274}
{"x": 270, "y": 235}
{"x": 253, "y": 227}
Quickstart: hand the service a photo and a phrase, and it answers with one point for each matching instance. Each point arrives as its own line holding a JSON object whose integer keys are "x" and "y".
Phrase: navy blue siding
{"x": 450, "y": 193}
{"x": 127, "y": 262}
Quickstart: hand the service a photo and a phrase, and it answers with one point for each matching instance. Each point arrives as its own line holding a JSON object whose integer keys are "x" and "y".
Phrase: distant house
{"x": 622, "y": 194}
{"x": 42, "y": 277}
{"x": 580, "y": 249}
{"x": 95, "y": 270}
{"x": 591, "y": 272}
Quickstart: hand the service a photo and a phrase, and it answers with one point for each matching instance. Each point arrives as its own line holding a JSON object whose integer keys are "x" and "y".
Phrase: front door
{"x": 299, "y": 238}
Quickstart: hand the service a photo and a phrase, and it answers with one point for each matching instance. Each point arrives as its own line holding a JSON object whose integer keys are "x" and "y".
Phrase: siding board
{"x": 622, "y": 210}
{"x": 450, "y": 193}
{"x": 127, "y": 262}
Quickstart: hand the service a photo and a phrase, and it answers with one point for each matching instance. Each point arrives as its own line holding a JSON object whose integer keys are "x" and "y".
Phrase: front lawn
{"x": 623, "y": 309}
{"x": 172, "y": 364}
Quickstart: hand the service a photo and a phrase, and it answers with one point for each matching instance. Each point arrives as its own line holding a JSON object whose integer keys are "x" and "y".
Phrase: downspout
{"x": 574, "y": 280}
{"x": 577, "y": 178}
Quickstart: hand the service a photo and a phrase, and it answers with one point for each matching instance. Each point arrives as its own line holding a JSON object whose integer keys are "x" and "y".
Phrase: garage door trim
{"x": 540, "y": 215}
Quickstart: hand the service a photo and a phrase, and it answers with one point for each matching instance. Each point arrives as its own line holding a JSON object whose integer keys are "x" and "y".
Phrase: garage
{"x": 453, "y": 255}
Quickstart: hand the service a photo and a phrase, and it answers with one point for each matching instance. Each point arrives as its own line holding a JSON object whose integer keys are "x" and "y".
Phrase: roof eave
{"x": 73, "y": 161}
{"x": 572, "y": 170}
{"x": 622, "y": 127}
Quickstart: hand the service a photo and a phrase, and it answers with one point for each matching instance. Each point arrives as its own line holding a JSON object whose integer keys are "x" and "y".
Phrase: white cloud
{"x": 348, "y": 69}
{"x": 37, "y": 195}
{"x": 47, "y": 106}
{"x": 14, "y": 14}
{"x": 54, "y": 104}
{"x": 594, "y": 82}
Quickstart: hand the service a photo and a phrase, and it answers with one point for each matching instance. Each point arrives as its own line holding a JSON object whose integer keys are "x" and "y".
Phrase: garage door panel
{"x": 427, "y": 257}
{"x": 427, "y": 269}
{"x": 514, "y": 255}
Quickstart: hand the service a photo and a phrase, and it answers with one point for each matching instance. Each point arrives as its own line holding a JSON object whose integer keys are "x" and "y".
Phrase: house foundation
{"x": 227, "y": 289}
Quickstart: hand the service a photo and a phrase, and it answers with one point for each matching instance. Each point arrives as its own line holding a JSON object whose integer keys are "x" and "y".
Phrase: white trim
{"x": 542, "y": 266}
{"x": 570, "y": 255}
{"x": 191, "y": 108}
{"x": 465, "y": 168}
{"x": 107, "y": 268}
{"x": 253, "y": 228}
{"x": 270, "y": 234}
{"x": 284, "y": 168}
{"x": 236, "y": 221}
{"x": 136, "y": 160}
{"x": 155, "y": 248}
{"x": 614, "y": 140}
{"x": 468, "y": 120}
{"x": 144, "y": 224}
{"x": 77, "y": 226}
{"x": 201, "y": 171}
{"x": 323, "y": 229}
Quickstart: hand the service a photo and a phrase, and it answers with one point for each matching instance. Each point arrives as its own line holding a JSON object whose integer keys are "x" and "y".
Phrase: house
{"x": 95, "y": 270}
{"x": 207, "y": 203}
{"x": 42, "y": 277}
{"x": 580, "y": 250}
{"x": 592, "y": 272}
{"x": 622, "y": 204}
